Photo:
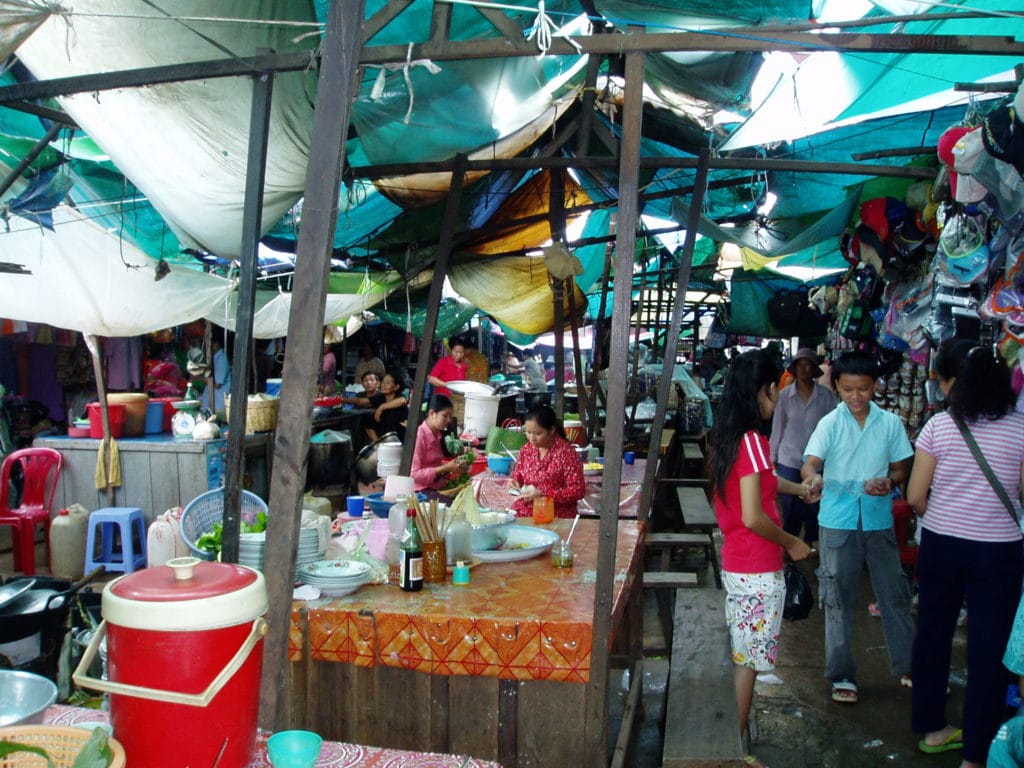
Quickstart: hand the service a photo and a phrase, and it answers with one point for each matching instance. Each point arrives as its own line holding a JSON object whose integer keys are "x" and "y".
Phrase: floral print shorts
{"x": 753, "y": 611}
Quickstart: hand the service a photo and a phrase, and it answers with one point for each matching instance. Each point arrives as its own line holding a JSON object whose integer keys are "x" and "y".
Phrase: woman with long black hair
{"x": 744, "y": 487}
{"x": 970, "y": 547}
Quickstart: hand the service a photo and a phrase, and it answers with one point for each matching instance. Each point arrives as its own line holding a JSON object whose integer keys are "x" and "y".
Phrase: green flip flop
{"x": 955, "y": 740}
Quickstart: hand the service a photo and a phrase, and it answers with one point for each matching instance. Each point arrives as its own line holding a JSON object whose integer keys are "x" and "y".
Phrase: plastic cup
{"x": 354, "y": 505}
{"x": 629, "y": 457}
{"x": 294, "y": 749}
{"x": 543, "y": 510}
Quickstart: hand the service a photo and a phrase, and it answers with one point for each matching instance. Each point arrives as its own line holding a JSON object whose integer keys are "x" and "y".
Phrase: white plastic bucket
{"x": 481, "y": 414}
{"x": 389, "y": 459}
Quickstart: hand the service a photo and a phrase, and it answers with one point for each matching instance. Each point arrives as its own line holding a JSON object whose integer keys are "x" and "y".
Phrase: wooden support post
{"x": 596, "y": 739}
{"x": 556, "y": 212}
{"x": 252, "y": 216}
{"x": 665, "y": 384}
{"x": 441, "y": 262}
{"x": 305, "y": 339}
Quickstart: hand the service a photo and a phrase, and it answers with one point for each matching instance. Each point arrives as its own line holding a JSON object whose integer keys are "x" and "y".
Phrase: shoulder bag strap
{"x": 985, "y": 468}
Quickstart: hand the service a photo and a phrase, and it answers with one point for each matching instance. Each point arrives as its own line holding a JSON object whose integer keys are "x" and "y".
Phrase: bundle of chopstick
{"x": 431, "y": 522}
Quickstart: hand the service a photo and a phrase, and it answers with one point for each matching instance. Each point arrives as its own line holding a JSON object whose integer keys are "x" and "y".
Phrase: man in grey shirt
{"x": 535, "y": 381}
{"x": 801, "y": 406}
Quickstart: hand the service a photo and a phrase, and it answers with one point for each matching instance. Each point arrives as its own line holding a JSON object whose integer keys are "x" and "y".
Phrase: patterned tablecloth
{"x": 334, "y": 754}
{"x": 491, "y": 491}
{"x": 523, "y": 620}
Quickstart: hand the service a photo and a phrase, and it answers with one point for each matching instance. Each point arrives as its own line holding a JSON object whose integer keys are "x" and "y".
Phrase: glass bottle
{"x": 410, "y": 556}
{"x": 458, "y": 541}
{"x": 396, "y": 527}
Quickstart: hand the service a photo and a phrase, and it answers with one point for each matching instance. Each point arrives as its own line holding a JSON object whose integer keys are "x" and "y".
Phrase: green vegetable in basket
{"x": 10, "y": 747}
{"x": 212, "y": 542}
{"x": 96, "y": 753}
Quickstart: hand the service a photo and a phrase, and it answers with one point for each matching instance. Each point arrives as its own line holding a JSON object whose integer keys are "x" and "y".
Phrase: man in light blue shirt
{"x": 862, "y": 450}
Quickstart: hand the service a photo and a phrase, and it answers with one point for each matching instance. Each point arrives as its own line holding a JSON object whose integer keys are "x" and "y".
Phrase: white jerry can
{"x": 164, "y": 540}
{"x": 68, "y": 532}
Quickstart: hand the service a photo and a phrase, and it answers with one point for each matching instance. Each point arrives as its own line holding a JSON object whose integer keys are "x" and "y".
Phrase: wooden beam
{"x": 675, "y": 325}
{"x": 757, "y": 41}
{"x": 31, "y": 155}
{"x": 441, "y": 263}
{"x": 588, "y": 163}
{"x": 242, "y": 66}
{"x": 252, "y": 216}
{"x": 55, "y": 115}
{"x": 305, "y": 339}
{"x": 388, "y": 13}
{"x": 596, "y": 741}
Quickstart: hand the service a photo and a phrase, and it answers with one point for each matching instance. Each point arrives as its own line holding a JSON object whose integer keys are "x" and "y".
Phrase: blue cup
{"x": 629, "y": 457}
{"x": 354, "y": 505}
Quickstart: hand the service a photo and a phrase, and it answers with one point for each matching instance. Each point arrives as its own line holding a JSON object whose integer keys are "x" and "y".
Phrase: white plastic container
{"x": 481, "y": 414}
{"x": 67, "y": 542}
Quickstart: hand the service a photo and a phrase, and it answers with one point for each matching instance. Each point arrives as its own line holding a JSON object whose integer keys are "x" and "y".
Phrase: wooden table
{"x": 157, "y": 471}
{"x": 496, "y": 669}
{"x": 491, "y": 491}
{"x": 332, "y": 755}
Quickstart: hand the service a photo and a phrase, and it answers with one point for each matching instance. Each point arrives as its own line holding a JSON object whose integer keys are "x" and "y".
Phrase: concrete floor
{"x": 796, "y": 724}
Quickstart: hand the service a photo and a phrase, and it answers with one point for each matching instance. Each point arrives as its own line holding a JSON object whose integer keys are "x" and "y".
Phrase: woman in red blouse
{"x": 547, "y": 466}
{"x": 744, "y": 487}
{"x": 431, "y": 469}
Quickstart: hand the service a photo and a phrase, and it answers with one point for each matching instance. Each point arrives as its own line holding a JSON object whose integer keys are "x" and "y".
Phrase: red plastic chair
{"x": 41, "y": 470}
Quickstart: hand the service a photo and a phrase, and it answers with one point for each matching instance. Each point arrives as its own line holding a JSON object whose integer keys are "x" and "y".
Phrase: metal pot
{"x": 329, "y": 463}
{"x": 41, "y": 609}
{"x": 366, "y": 462}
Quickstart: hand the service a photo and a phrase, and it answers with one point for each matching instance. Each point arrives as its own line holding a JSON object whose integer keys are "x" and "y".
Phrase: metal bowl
{"x": 24, "y": 697}
{"x": 492, "y": 531}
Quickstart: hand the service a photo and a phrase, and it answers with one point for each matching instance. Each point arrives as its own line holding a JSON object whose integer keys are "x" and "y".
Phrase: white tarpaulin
{"x": 270, "y": 320}
{"x": 185, "y": 144}
{"x": 81, "y": 277}
{"x": 19, "y": 19}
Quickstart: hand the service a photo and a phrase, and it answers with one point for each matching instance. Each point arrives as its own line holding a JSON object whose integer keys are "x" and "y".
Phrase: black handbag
{"x": 799, "y": 598}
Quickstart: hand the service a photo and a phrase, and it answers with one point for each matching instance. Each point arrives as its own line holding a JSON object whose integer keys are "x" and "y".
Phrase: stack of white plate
{"x": 250, "y": 549}
{"x": 335, "y": 578}
{"x": 308, "y": 550}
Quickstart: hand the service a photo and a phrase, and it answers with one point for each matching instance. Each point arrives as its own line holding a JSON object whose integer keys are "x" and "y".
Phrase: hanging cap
{"x": 959, "y": 154}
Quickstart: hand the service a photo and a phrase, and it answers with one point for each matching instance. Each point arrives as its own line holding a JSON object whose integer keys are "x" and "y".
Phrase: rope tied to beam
{"x": 544, "y": 29}
{"x": 377, "y": 92}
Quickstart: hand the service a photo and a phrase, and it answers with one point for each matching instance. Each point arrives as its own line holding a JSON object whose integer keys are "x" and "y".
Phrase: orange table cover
{"x": 523, "y": 620}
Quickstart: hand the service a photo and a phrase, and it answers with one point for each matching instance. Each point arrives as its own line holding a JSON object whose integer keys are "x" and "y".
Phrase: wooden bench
{"x": 701, "y": 722}
{"x": 698, "y": 516}
{"x": 667, "y": 581}
{"x": 692, "y": 452}
{"x": 667, "y": 436}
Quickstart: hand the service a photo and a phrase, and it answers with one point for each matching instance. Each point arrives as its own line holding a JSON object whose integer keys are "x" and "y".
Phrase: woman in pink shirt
{"x": 431, "y": 469}
{"x": 547, "y": 466}
{"x": 970, "y": 548}
{"x": 744, "y": 486}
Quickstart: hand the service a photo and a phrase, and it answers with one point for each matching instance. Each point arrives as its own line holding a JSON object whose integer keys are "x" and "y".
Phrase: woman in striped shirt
{"x": 744, "y": 486}
{"x": 970, "y": 548}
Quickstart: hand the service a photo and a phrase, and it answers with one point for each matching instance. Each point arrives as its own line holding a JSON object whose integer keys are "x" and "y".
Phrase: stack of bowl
{"x": 250, "y": 549}
{"x": 335, "y": 578}
{"x": 308, "y": 550}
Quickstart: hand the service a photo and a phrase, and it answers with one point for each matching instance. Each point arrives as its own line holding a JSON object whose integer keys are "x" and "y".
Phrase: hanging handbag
{"x": 799, "y": 598}
{"x": 986, "y": 469}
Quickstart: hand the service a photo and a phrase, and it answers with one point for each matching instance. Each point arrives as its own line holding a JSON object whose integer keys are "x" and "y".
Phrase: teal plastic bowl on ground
{"x": 499, "y": 464}
{"x": 294, "y": 749}
{"x": 380, "y": 507}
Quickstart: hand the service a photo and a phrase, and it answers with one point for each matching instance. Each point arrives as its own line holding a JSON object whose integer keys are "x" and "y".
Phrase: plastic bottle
{"x": 410, "y": 556}
{"x": 67, "y": 542}
{"x": 458, "y": 541}
{"x": 396, "y": 526}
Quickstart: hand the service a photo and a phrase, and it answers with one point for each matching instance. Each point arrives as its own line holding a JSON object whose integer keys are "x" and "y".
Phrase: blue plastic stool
{"x": 108, "y": 521}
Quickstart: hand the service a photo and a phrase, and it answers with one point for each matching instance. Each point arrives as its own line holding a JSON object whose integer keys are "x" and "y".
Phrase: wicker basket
{"x": 61, "y": 742}
{"x": 458, "y": 409}
{"x": 206, "y": 509}
{"x": 260, "y": 413}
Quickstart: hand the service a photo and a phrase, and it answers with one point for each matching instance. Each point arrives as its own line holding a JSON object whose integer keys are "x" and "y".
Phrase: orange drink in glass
{"x": 543, "y": 510}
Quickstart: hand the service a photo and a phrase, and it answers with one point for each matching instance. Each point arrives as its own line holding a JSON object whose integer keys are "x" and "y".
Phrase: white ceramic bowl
{"x": 23, "y": 697}
{"x": 492, "y": 531}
